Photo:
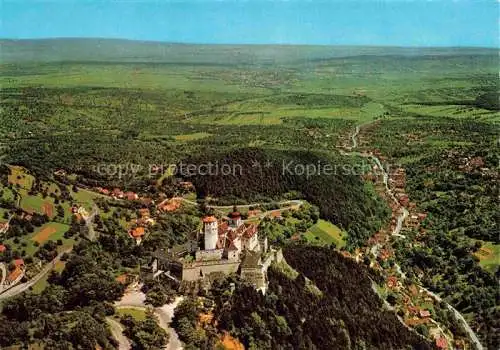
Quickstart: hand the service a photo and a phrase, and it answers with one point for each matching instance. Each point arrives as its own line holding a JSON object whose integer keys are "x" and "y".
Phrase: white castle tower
{"x": 210, "y": 228}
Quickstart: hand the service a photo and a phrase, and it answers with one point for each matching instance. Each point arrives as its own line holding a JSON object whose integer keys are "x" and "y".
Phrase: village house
{"x": 2, "y": 248}
{"x": 4, "y": 227}
{"x": 170, "y": 205}
{"x": 441, "y": 343}
{"x": 137, "y": 233}
{"x": 424, "y": 313}
{"x": 392, "y": 282}
{"x": 103, "y": 191}
{"x": 385, "y": 254}
{"x": 16, "y": 274}
{"x": 117, "y": 193}
{"x": 131, "y": 196}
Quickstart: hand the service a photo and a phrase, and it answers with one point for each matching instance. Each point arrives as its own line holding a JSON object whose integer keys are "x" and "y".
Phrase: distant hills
{"x": 118, "y": 50}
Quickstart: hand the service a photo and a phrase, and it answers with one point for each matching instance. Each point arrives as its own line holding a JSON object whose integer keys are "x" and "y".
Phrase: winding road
{"x": 293, "y": 203}
{"x": 20, "y": 288}
{"x": 89, "y": 223}
{"x": 136, "y": 299}
{"x": 396, "y": 232}
{"x": 117, "y": 332}
{"x": 4, "y": 275}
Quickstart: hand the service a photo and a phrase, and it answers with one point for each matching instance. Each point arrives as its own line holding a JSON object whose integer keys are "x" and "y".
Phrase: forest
{"x": 340, "y": 195}
{"x": 452, "y": 175}
{"x": 78, "y": 106}
{"x": 328, "y": 305}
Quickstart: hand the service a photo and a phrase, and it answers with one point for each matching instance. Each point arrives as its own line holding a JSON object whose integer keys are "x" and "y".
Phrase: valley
{"x": 398, "y": 217}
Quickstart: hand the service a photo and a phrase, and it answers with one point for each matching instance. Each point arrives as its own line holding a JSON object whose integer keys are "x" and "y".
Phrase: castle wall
{"x": 278, "y": 255}
{"x": 255, "y": 276}
{"x": 251, "y": 243}
{"x": 196, "y": 271}
{"x": 267, "y": 261}
{"x": 237, "y": 243}
{"x": 207, "y": 255}
{"x": 233, "y": 254}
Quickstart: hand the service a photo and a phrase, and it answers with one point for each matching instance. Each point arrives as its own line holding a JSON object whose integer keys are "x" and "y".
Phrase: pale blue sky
{"x": 337, "y": 22}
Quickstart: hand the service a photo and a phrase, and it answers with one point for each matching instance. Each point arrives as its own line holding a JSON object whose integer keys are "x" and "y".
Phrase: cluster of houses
{"x": 116, "y": 193}
{"x": 416, "y": 304}
{"x": 169, "y": 205}
{"x": 141, "y": 224}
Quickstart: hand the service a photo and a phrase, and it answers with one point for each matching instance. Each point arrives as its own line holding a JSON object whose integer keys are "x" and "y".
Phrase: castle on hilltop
{"x": 229, "y": 246}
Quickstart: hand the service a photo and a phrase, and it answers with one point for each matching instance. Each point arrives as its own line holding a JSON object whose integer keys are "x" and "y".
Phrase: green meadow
{"x": 324, "y": 232}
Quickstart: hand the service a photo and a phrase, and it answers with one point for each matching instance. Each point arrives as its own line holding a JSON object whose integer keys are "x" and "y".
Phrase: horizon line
{"x": 252, "y": 44}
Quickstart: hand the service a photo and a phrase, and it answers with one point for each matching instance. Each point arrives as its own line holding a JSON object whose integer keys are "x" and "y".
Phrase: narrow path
{"x": 117, "y": 332}
{"x": 229, "y": 207}
{"x": 4, "y": 275}
{"x": 136, "y": 299}
{"x": 89, "y": 223}
{"x": 165, "y": 314}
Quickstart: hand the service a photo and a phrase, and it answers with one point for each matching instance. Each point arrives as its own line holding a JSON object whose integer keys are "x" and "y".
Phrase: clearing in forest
{"x": 52, "y": 230}
{"x": 325, "y": 232}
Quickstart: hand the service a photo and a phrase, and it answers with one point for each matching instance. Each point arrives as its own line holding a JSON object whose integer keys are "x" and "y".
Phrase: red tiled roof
{"x": 19, "y": 262}
{"x": 137, "y": 232}
{"x": 2, "y": 248}
{"x": 425, "y": 313}
{"x": 14, "y": 274}
{"x": 223, "y": 227}
{"x": 441, "y": 343}
{"x": 209, "y": 219}
{"x": 392, "y": 281}
{"x": 122, "y": 279}
{"x": 250, "y": 231}
{"x": 131, "y": 196}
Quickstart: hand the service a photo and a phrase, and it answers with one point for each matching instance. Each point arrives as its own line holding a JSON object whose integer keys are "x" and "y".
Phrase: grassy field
{"x": 454, "y": 111}
{"x": 190, "y": 137}
{"x": 50, "y": 231}
{"x": 324, "y": 232}
{"x": 137, "y": 314}
{"x": 20, "y": 178}
{"x": 489, "y": 256}
{"x": 161, "y": 103}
